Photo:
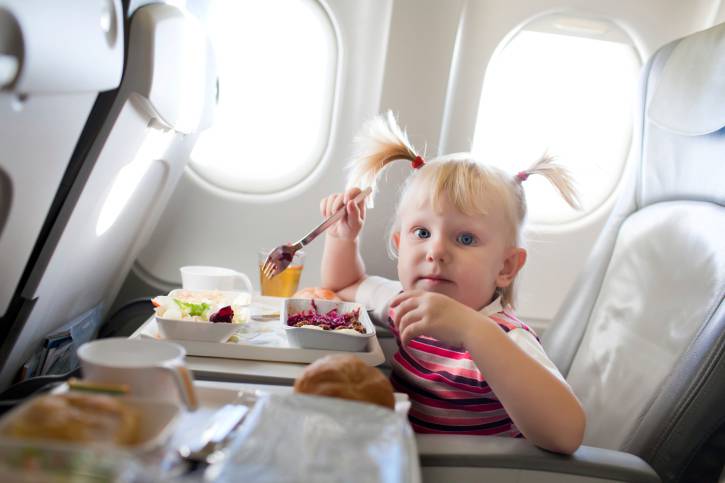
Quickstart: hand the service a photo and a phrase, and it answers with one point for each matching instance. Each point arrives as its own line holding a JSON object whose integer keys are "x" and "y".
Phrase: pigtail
{"x": 557, "y": 175}
{"x": 381, "y": 141}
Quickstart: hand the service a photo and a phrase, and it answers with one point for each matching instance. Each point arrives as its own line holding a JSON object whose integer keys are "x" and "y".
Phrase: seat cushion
{"x": 665, "y": 277}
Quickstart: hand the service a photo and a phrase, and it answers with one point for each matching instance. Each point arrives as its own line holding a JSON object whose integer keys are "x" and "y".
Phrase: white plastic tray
{"x": 261, "y": 340}
{"x": 214, "y": 394}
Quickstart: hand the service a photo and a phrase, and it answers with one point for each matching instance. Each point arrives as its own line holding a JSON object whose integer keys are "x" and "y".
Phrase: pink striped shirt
{"x": 448, "y": 393}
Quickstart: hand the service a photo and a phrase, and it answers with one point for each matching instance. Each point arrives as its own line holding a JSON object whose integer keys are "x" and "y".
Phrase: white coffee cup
{"x": 202, "y": 277}
{"x": 150, "y": 368}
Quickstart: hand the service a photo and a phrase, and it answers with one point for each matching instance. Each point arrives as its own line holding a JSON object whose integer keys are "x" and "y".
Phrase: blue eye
{"x": 466, "y": 239}
{"x": 421, "y": 233}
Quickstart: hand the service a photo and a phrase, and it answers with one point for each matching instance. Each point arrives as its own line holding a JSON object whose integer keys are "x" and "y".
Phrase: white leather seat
{"x": 641, "y": 338}
{"x": 47, "y": 90}
{"x": 167, "y": 96}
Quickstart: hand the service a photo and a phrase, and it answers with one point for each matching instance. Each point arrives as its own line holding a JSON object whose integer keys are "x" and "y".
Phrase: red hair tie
{"x": 417, "y": 162}
{"x": 522, "y": 176}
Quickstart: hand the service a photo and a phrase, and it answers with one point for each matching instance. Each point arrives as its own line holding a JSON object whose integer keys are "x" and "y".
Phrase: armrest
{"x": 479, "y": 452}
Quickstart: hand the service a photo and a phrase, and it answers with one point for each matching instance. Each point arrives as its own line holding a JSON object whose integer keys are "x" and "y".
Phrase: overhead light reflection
{"x": 124, "y": 186}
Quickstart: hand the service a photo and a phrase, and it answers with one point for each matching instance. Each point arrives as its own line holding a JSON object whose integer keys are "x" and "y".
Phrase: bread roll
{"x": 316, "y": 293}
{"x": 82, "y": 418}
{"x": 346, "y": 377}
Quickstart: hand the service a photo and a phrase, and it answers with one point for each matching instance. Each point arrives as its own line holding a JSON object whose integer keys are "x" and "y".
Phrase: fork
{"x": 279, "y": 258}
{"x": 211, "y": 445}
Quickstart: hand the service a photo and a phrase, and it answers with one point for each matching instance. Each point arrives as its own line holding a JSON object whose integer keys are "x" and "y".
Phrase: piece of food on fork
{"x": 279, "y": 258}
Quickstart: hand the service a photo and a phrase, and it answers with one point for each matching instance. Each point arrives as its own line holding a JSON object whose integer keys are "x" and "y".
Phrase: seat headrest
{"x": 47, "y": 47}
{"x": 690, "y": 94}
{"x": 171, "y": 63}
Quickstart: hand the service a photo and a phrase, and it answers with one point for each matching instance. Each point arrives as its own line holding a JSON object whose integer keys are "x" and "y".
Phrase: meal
{"x": 346, "y": 377}
{"x": 81, "y": 418}
{"x": 348, "y": 322}
{"x": 200, "y": 306}
{"x": 316, "y": 293}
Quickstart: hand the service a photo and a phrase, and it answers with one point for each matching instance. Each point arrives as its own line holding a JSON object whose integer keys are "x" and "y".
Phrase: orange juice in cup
{"x": 285, "y": 284}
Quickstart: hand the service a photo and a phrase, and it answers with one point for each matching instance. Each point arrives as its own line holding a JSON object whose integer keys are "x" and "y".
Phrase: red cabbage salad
{"x": 332, "y": 320}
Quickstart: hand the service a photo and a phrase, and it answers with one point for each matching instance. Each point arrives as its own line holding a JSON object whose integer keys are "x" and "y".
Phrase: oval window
{"x": 277, "y": 64}
{"x": 563, "y": 85}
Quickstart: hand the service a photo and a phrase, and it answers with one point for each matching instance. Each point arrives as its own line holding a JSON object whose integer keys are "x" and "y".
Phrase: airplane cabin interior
{"x": 153, "y": 153}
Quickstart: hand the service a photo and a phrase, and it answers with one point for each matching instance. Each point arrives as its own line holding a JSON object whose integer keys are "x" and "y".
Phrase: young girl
{"x": 467, "y": 363}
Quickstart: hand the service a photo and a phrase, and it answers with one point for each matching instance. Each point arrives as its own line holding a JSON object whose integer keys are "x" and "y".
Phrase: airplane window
{"x": 563, "y": 87}
{"x": 276, "y": 63}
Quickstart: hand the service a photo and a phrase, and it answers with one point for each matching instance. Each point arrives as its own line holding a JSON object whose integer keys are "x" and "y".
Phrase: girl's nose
{"x": 437, "y": 250}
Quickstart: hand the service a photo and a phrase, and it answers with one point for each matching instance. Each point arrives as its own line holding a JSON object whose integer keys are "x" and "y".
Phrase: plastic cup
{"x": 202, "y": 277}
{"x": 285, "y": 284}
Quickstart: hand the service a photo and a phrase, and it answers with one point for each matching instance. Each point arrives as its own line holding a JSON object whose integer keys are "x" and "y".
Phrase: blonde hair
{"x": 472, "y": 187}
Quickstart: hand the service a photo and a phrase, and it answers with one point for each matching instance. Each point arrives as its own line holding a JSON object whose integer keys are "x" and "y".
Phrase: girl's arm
{"x": 342, "y": 266}
{"x": 542, "y": 406}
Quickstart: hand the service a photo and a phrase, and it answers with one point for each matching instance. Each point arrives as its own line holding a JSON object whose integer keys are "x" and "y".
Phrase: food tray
{"x": 326, "y": 339}
{"x": 261, "y": 340}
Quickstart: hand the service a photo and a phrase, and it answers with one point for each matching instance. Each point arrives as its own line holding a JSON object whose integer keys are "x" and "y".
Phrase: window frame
{"x": 299, "y": 179}
{"x": 538, "y": 23}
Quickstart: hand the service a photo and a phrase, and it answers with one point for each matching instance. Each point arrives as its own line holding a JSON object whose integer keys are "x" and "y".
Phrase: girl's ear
{"x": 396, "y": 240}
{"x": 514, "y": 261}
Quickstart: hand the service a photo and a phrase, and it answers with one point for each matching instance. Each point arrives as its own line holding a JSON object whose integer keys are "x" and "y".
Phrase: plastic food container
{"x": 157, "y": 420}
{"x": 205, "y": 331}
{"x": 309, "y": 338}
{"x": 44, "y": 462}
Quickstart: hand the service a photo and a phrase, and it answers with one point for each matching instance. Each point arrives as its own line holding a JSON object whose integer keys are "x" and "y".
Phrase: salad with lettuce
{"x": 203, "y": 306}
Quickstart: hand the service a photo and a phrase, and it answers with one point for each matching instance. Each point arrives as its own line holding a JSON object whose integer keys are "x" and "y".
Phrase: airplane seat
{"x": 641, "y": 337}
{"x": 47, "y": 93}
{"x": 645, "y": 326}
{"x": 166, "y": 98}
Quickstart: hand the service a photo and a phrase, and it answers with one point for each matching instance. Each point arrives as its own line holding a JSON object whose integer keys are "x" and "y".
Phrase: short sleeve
{"x": 375, "y": 293}
{"x": 528, "y": 343}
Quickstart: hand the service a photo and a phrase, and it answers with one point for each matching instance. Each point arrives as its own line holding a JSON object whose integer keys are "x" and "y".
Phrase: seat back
{"x": 165, "y": 99}
{"x": 640, "y": 339}
{"x": 47, "y": 90}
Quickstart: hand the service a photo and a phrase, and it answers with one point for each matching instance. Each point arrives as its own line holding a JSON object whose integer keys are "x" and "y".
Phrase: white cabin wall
{"x": 204, "y": 225}
{"x": 719, "y": 16}
{"x": 420, "y": 50}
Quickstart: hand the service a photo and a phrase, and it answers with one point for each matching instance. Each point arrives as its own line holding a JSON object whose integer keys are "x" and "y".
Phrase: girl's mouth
{"x": 434, "y": 280}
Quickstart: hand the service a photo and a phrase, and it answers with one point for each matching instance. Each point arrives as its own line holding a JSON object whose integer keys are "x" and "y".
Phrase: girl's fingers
{"x": 351, "y": 194}
{"x": 353, "y": 215}
{"x": 408, "y": 318}
{"x": 337, "y": 203}
{"x": 412, "y": 331}
{"x": 402, "y": 309}
{"x": 328, "y": 204}
{"x": 403, "y": 296}
{"x": 331, "y": 200}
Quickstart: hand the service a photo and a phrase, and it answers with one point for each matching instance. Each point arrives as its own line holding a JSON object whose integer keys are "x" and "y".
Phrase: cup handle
{"x": 185, "y": 385}
{"x": 246, "y": 282}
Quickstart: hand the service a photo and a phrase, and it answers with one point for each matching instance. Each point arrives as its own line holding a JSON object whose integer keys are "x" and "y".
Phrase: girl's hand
{"x": 417, "y": 312}
{"x": 349, "y": 226}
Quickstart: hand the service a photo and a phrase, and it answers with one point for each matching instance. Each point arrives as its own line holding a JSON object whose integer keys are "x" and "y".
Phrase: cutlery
{"x": 205, "y": 450}
{"x": 279, "y": 258}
